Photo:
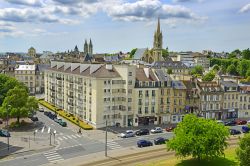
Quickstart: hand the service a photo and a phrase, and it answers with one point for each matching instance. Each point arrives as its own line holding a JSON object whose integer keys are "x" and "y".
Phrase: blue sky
{"x": 120, "y": 25}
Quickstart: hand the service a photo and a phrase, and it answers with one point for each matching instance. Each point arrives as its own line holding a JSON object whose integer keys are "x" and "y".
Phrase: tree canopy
{"x": 197, "y": 70}
{"x": 209, "y": 76}
{"x": 232, "y": 70}
{"x": 165, "y": 53}
{"x": 132, "y": 52}
{"x": 246, "y": 54}
{"x": 243, "y": 151}
{"x": 198, "y": 137}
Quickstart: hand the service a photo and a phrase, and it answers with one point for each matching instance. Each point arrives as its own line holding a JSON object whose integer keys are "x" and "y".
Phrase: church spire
{"x": 158, "y": 26}
{"x": 85, "y": 49}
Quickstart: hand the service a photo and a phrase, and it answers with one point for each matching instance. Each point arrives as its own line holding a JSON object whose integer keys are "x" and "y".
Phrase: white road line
{"x": 69, "y": 137}
{"x": 49, "y": 152}
{"x": 42, "y": 129}
{"x": 73, "y": 136}
{"x": 65, "y": 137}
{"x": 49, "y": 130}
{"x": 57, "y": 160}
{"x": 52, "y": 154}
{"x": 60, "y": 138}
{"x": 55, "y": 156}
{"x": 78, "y": 135}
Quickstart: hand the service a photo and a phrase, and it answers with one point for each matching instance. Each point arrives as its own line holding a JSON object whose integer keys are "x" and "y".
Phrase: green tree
{"x": 165, "y": 53}
{"x": 32, "y": 104}
{"x": 232, "y": 55}
{"x": 209, "y": 76}
{"x": 243, "y": 151}
{"x": 216, "y": 67}
{"x": 198, "y": 137}
{"x": 170, "y": 71}
{"x": 132, "y": 53}
{"x": 243, "y": 67}
{"x": 246, "y": 54}
{"x": 232, "y": 70}
{"x": 17, "y": 99}
{"x": 197, "y": 70}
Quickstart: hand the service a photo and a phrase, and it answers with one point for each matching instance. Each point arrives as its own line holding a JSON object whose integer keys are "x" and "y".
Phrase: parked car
{"x": 245, "y": 129}
{"x": 41, "y": 110}
{"x": 234, "y": 132}
{"x": 128, "y": 133}
{"x": 143, "y": 143}
{"x": 220, "y": 122}
{"x": 46, "y": 113}
{"x": 52, "y": 116}
{"x": 170, "y": 129}
{"x": 157, "y": 130}
{"x": 34, "y": 118}
{"x": 230, "y": 123}
{"x": 4, "y": 133}
{"x": 57, "y": 120}
{"x": 142, "y": 132}
{"x": 241, "y": 122}
{"x": 160, "y": 140}
{"x": 248, "y": 122}
{"x": 63, "y": 124}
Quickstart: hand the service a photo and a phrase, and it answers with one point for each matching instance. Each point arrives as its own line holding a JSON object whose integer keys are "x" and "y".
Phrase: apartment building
{"x": 95, "y": 93}
{"x": 244, "y": 101}
{"x": 211, "y": 99}
{"x": 231, "y": 99}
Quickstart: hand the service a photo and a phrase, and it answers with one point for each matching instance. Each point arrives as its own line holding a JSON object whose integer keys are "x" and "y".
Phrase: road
{"x": 69, "y": 144}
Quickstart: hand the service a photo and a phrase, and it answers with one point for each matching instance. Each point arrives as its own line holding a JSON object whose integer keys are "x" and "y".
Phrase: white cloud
{"x": 30, "y": 15}
{"x": 7, "y": 29}
{"x": 26, "y": 2}
{"x": 187, "y": 1}
{"x": 145, "y": 10}
{"x": 245, "y": 8}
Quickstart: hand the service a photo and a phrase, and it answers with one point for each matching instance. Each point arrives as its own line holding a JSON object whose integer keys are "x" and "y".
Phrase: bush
{"x": 243, "y": 151}
{"x": 66, "y": 115}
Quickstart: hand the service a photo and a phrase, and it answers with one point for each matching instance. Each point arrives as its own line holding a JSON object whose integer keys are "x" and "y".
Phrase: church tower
{"x": 90, "y": 47}
{"x": 85, "y": 48}
{"x": 157, "y": 47}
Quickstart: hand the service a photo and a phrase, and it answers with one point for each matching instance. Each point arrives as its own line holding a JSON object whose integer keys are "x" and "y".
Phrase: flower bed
{"x": 65, "y": 115}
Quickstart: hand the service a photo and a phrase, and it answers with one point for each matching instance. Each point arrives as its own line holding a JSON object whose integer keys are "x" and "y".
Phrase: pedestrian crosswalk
{"x": 113, "y": 145}
{"x": 53, "y": 156}
{"x": 68, "y": 137}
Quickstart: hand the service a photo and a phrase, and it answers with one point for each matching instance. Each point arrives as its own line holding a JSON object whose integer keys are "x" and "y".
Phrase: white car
{"x": 248, "y": 122}
{"x": 157, "y": 130}
{"x": 128, "y": 133}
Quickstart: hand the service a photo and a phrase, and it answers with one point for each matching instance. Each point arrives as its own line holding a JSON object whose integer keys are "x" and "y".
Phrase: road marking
{"x": 49, "y": 130}
{"x": 78, "y": 136}
{"x": 65, "y": 137}
{"x": 113, "y": 145}
{"x": 73, "y": 136}
{"x": 69, "y": 137}
{"x": 53, "y": 156}
{"x": 60, "y": 138}
{"x": 42, "y": 129}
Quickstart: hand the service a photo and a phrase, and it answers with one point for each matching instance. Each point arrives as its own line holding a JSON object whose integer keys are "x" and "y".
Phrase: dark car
{"x": 52, "y": 116}
{"x": 230, "y": 123}
{"x": 170, "y": 129}
{"x": 34, "y": 119}
{"x": 143, "y": 143}
{"x": 4, "y": 133}
{"x": 142, "y": 132}
{"x": 46, "y": 113}
{"x": 160, "y": 140}
{"x": 241, "y": 122}
{"x": 63, "y": 124}
{"x": 245, "y": 129}
{"x": 234, "y": 132}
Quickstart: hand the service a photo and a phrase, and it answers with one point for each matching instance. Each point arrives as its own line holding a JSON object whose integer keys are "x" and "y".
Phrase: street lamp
{"x": 8, "y": 139}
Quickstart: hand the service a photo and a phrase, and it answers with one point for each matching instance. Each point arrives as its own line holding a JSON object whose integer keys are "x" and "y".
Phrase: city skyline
{"x": 59, "y": 25}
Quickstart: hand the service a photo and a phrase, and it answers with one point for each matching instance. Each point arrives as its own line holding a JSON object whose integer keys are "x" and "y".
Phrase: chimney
{"x": 146, "y": 71}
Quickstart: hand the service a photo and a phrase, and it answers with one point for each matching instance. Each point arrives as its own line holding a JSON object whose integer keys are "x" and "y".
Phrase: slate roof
{"x": 169, "y": 64}
{"x": 139, "y": 53}
{"x": 141, "y": 75}
{"x": 178, "y": 85}
{"x": 229, "y": 83}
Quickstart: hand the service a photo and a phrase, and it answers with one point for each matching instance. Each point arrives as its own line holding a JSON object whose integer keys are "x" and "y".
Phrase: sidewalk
{"x": 23, "y": 145}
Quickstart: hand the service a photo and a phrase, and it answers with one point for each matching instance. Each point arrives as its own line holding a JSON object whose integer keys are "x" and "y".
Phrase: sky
{"x": 121, "y": 25}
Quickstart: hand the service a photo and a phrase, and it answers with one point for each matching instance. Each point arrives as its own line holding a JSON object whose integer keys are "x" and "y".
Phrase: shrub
{"x": 243, "y": 151}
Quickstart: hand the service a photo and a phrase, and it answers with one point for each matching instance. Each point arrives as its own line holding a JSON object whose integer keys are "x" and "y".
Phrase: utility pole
{"x": 54, "y": 133}
{"x": 106, "y": 139}
{"x": 50, "y": 138}
{"x": 8, "y": 138}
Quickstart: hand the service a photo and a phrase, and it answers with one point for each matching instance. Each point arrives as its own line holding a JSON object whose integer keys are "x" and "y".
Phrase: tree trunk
{"x": 18, "y": 119}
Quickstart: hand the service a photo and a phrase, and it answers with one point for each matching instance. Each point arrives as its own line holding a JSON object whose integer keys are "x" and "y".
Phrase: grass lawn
{"x": 229, "y": 160}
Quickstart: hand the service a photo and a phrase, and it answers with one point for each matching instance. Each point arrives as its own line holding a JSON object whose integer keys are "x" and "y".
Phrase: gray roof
{"x": 229, "y": 84}
{"x": 169, "y": 64}
{"x": 42, "y": 67}
{"x": 112, "y": 58}
{"x": 162, "y": 75}
{"x": 139, "y": 53}
{"x": 178, "y": 85}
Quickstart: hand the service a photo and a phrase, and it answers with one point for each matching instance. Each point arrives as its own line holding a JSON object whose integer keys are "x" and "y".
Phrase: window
{"x": 140, "y": 102}
{"x": 240, "y": 98}
{"x": 153, "y": 109}
{"x": 146, "y": 110}
{"x": 248, "y": 106}
{"x": 130, "y": 82}
{"x": 174, "y": 101}
{"x": 129, "y": 73}
{"x": 129, "y": 108}
{"x": 130, "y": 91}
{"x": 162, "y": 101}
{"x": 162, "y": 92}
{"x": 140, "y": 93}
{"x": 180, "y": 102}
{"x": 129, "y": 99}
{"x": 153, "y": 92}
{"x": 146, "y": 94}
{"x": 246, "y": 113}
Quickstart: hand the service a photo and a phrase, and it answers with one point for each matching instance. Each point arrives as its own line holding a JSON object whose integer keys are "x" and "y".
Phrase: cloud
{"x": 7, "y": 29}
{"x": 176, "y": 1}
{"x": 145, "y": 10}
{"x": 30, "y": 15}
{"x": 245, "y": 8}
{"x": 26, "y": 2}
{"x": 70, "y": 2}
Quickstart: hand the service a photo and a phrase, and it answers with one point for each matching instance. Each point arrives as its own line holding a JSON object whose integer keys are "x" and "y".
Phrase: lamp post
{"x": 8, "y": 139}
{"x": 106, "y": 139}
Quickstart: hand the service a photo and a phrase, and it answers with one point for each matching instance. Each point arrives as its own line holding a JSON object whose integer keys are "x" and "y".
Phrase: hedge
{"x": 65, "y": 115}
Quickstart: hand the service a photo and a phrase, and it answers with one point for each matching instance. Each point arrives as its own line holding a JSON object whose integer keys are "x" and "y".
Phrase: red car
{"x": 241, "y": 122}
{"x": 170, "y": 129}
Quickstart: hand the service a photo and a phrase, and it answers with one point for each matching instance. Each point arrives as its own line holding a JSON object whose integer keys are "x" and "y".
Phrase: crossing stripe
{"x": 65, "y": 137}
{"x": 69, "y": 137}
{"x": 73, "y": 136}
